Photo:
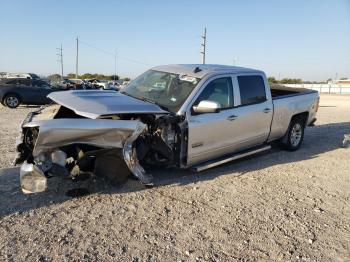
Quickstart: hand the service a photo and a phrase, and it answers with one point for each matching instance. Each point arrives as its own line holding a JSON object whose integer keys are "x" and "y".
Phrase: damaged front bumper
{"x": 47, "y": 157}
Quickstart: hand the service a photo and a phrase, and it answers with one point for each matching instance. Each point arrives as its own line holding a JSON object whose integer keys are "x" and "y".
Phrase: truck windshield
{"x": 167, "y": 90}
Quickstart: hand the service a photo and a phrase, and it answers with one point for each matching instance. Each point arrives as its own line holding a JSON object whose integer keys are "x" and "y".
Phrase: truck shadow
{"x": 318, "y": 140}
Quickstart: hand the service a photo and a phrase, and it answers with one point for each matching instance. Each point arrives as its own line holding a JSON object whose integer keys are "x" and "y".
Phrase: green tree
{"x": 87, "y": 76}
{"x": 71, "y": 75}
{"x": 112, "y": 77}
{"x": 272, "y": 80}
{"x": 54, "y": 77}
{"x": 291, "y": 81}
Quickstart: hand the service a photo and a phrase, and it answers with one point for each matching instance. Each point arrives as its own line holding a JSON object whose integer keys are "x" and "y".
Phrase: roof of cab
{"x": 190, "y": 69}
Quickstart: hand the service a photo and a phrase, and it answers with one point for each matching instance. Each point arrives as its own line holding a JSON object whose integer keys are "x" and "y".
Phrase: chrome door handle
{"x": 232, "y": 117}
{"x": 267, "y": 110}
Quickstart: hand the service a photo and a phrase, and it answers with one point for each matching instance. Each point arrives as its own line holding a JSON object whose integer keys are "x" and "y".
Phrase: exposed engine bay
{"x": 56, "y": 141}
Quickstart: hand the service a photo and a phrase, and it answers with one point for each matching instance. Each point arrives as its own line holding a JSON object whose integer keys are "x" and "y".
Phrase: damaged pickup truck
{"x": 197, "y": 116}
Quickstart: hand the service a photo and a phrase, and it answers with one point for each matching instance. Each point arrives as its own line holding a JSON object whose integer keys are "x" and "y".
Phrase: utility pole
{"x": 77, "y": 60}
{"x": 115, "y": 64}
{"x": 60, "y": 59}
{"x": 204, "y": 42}
{"x": 235, "y": 61}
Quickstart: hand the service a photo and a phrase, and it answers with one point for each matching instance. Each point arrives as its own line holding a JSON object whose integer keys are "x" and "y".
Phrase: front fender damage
{"x": 48, "y": 157}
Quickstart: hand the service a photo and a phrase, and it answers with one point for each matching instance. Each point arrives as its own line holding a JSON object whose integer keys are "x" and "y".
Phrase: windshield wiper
{"x": 145, "y": 100}
{"x": 153, "y": 102}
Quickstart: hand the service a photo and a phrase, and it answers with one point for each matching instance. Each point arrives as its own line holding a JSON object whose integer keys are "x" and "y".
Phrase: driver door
{"x": 211, "y": 135}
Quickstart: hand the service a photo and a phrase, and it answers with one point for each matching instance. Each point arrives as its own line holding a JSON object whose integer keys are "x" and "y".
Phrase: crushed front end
{"x": 56, "y": 141}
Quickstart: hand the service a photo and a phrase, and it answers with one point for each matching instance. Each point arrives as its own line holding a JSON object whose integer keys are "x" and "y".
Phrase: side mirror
{"x": 206, "y": 106}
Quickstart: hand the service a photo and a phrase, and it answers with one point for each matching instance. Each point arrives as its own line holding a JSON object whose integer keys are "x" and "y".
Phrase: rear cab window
{"x": 11, "y": 82}
{"x": 252, "y": 89}
{"x": 25, "y": 82}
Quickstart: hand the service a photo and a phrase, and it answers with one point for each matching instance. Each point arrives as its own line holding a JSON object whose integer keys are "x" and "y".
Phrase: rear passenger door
{"x": 254, "y": 110}
{"x": 23, "y": 89}
{"x": 40, "y": 90}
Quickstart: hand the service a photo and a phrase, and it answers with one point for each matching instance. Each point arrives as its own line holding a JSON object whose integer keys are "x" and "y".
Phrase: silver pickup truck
{"x": 186, "y": 116}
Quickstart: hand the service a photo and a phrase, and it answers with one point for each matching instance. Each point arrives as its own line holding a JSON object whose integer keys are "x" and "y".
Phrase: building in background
{"x": 343, "y": 81}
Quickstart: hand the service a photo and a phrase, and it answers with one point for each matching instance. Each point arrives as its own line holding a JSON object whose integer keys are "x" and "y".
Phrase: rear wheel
{"x": 295, "y": 135}
{"x": 11, "y": 100}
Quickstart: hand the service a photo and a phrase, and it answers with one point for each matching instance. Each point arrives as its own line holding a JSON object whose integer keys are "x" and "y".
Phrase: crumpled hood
{"x": 94, "y": 103}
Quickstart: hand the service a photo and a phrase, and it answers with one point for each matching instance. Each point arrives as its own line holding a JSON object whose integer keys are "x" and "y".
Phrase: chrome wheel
{"x": 12, "y": 101}
{"x": 296, "y": 134}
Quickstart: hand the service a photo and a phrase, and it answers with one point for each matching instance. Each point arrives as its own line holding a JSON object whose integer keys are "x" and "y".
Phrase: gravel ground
{"x": 279, "y": 205}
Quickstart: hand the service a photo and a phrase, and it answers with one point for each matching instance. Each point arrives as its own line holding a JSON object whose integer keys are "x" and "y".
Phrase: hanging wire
{"x": 113, "y": 54}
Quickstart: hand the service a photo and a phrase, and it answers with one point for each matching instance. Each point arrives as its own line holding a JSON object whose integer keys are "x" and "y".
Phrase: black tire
{"x": 12, "y": 100}
{"x": 295, "y": 134}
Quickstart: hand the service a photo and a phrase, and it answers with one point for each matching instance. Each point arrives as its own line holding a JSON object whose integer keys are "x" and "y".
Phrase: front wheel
{"x": 295, "y": 135}
{"x": 12, "y": 101}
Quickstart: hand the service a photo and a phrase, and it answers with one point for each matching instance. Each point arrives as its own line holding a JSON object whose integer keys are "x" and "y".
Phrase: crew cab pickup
{"x": 185, "y": 116}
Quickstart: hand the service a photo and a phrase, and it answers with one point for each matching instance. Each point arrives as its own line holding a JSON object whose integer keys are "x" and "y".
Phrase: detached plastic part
{"x": 32, "y": 179}
{"x": 59, "y": 157}
{"x": 346, "y": 141}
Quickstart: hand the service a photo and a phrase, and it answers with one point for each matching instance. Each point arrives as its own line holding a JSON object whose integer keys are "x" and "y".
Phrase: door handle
{"x": 267, "y": 110}
{"x": 232, "y": 117}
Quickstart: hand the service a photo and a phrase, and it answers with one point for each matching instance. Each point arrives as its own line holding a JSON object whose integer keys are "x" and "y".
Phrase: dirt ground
{"x": 278, "y": 206}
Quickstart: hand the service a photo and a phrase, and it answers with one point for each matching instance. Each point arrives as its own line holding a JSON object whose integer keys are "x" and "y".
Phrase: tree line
{"x": 273, "y": 80}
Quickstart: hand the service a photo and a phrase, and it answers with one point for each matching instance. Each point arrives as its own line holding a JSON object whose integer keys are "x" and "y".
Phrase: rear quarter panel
{"x": 286, "y": 107}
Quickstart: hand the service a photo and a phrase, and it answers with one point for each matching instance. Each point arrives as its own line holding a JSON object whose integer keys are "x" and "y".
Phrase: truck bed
{"x": 288, "y": 102}
{"x": 280, "y": 91}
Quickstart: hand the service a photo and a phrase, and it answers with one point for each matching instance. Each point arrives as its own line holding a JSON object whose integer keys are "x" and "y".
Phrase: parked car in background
{"x": 78, "y": 83}
{"x": 20, "y": 75}
{"x": 16, "y": 91}
{"x": 186, "y": 116}
{"x": 98, "y": 84}
{"x": 114, "y": 85}
{"x": 74, "y": 84}
{"x": 65, "y": 83}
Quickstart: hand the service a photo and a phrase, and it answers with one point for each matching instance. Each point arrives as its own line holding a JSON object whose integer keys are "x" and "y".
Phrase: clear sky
{"x": 308, "y": 39}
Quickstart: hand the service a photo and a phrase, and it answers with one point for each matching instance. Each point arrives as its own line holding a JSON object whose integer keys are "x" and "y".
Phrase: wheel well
{"x": 11, "y": 93}
{"x": 303, "y": 116}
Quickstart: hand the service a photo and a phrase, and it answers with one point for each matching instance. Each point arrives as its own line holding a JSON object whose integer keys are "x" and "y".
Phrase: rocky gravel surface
{"x": 278, "y": 206}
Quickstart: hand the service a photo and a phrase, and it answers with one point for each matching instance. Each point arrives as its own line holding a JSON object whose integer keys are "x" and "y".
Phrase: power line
{"x": 97, "y": 48}
{"x": 114, "y": 54}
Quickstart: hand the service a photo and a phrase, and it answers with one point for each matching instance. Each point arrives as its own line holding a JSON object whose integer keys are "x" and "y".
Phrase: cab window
{"x": 252, "y": 89}
{"x": 12, "y": 82}
{"x": 40, "y": 84}
{"x": 219, "y": 90}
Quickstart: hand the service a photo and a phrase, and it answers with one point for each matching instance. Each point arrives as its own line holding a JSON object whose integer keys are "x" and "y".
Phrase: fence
{"x": 325, "y": 88}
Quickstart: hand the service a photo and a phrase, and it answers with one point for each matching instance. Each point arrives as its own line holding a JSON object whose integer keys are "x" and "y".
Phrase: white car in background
{"x": 19, "y": 75}
{"x": 99, "y": 84}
